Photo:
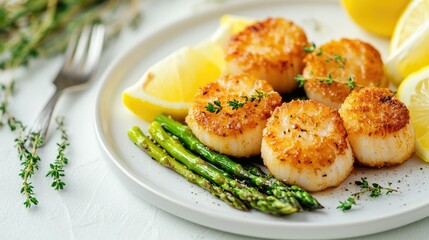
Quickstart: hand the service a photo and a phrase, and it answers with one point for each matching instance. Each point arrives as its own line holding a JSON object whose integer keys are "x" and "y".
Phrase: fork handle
{"x": 41, "y": 124}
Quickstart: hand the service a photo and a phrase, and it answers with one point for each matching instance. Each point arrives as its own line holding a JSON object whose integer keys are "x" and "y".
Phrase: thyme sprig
{"x": 336, "y": 57}
{"x": 56, "y": 168}
{"x": 328, "y": 79}
{"x": 235, "y": 104}
{"x": 7, "y": 90}
{"x": 351, "y": 83}
{"x": 374, "y": 190}
{"x": 29, "y": 161}
{"x": 41, "y": 28}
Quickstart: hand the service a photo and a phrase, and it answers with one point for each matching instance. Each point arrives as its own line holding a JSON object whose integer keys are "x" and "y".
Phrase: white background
{"x": 95, "y": 204}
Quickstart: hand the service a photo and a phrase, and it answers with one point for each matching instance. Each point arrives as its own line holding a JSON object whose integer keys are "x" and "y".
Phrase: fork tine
{"x": 68, "y": 56}
{"x": 81, "y": 48}
{"x": 95, "y": 47}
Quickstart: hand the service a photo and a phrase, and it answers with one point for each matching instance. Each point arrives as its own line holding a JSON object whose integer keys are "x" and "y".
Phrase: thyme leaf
{"x": 235, "y": 104}
{"x": 310, "y": 49}
{"x": 300, "y": 80}
{"x": 351, "y": 83}
{"x": 313, "y": 48}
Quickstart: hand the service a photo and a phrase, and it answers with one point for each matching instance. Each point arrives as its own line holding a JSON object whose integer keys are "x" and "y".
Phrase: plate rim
{"x": 166, "y": 203}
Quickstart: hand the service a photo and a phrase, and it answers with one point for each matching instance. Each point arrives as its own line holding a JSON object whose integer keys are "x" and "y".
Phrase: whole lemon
{"x": 376, "y": 16}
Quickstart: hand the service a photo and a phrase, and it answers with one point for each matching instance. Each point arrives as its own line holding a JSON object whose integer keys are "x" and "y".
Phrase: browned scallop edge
{"x": 378, "y": 107}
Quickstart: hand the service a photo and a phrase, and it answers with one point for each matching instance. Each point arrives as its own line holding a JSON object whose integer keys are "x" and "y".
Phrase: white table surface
{"x": 95, "y": 204}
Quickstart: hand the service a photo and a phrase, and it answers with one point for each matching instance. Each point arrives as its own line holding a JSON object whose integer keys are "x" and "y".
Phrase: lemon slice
{"x": 409, "y": 42}
{"x": 375, "y": 16}
{"x": 170, "y": 85}
{"x": 414, "y": 92}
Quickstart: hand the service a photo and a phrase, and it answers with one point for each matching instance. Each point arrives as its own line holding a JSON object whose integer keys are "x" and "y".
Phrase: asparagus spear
{"x": 275, "y": 188}
{"x": 254, "y": 198}
{"x": 157, "y": 153}
{"x": 305, "y": 198}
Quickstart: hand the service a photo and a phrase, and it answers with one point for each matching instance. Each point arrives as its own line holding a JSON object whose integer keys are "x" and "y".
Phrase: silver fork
{"x": 81, "y": 58}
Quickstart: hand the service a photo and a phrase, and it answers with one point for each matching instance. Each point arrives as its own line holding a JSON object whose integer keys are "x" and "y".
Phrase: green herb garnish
{"x": 300, "y": 79}
{"x": 374, "y": 190}
{"x": 311, "y": 48}
{"x": 216, "y": 106}
{"x": 351, "y": 83}
{"x": 235, "y": 104}
{"x": 29, "y": 160}
{"x": 56, "y": 168}
{"x": 7, "y": 90}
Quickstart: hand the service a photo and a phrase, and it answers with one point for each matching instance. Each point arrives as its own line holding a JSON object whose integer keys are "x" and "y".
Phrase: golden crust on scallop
{"x": 305, "y": 143}
{"x": 237, "y": 132}
{"x": 342, "y": 59}
{"x": 378, "y": 126}
{"x": 374, "y": 111}
{"x": 271, "y": 49}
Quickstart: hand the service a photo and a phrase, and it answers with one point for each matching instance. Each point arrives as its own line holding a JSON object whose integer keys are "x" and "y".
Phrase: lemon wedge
{"x": 414, "y": 92}
{"x": 170, "y": 84}
{"x": 378, "y": 17}
{"x": 409, "y": 46}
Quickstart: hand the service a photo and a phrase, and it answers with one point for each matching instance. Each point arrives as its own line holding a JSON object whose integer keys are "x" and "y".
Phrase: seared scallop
{"x": 229, "y": 114}
{"x": 378, "y": 126}
{"x": 334, "y": 69}
{"x": 271, "y": 49}
{"x": 305, "y": 143}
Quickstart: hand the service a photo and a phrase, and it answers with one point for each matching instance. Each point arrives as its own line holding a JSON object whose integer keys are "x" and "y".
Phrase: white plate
{"x": 322, "y": 20}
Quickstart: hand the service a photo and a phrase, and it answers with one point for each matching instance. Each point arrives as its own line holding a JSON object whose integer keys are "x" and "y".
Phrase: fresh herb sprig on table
{"x": 30, "y": 159}
{"x": 5, "y": 116}
{"x": 235, "y": 104}
{"x": 41, "y": 28}
{"x": 56, "y": 168}
{"x": 374, "y": 190}
{"x": 36, "y": 28}
{"x": 30, "y": 163}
